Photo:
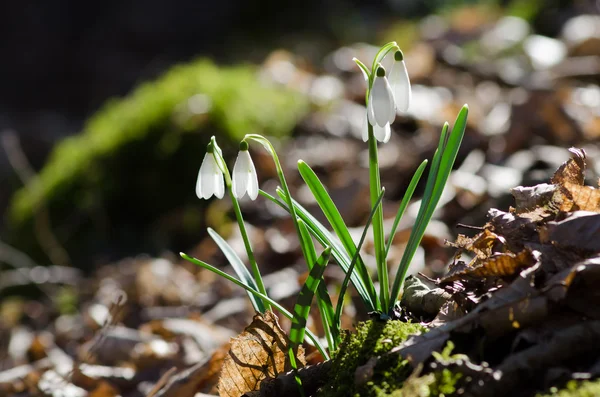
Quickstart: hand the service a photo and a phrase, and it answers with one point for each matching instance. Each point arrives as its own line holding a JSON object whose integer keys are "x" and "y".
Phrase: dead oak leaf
{"x": 258, "y": 353}
{"x": 572, "y": 170}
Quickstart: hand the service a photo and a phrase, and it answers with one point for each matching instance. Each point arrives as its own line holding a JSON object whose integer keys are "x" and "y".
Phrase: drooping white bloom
{"x": 210, "y": 178}
{"x": 382, "y": 134}
{"x": 244, "y": 176}
{"x": 400, "y": 83}
{"x": 381, "y": 109}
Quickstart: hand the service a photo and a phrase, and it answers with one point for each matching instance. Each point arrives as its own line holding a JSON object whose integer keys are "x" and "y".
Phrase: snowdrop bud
{"x": 244, "y": 175}
{"x": 381, "y": 109}
{"x": 400, "y": 83}
{"x": 210, "y": 177}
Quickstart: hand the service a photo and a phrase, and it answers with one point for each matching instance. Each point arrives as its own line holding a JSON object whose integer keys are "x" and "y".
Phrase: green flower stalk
{"x": 210, "y": 180}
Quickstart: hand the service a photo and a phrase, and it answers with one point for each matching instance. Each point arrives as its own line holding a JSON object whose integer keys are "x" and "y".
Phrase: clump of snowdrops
{"x": 387, "y": 94}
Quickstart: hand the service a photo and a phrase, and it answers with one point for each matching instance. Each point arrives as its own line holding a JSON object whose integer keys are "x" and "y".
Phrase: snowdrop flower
{"x": 244, "y": 175}
{"x": 210, "y": 177}
{"x": 400, "y": 82}
{"x": 381, "y": 109}
{"x": 382, "y": 134}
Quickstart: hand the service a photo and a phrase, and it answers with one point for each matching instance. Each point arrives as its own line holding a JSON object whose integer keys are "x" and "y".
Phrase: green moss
{"x": 124, "y": 184}
{"x": 575, "y": 388}
{"x": 372, "y": 339}
{"x": 237, "y": 103}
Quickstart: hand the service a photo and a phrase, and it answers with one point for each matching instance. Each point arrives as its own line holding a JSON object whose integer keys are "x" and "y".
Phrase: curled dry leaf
{"x": 572, "y": 170}
{"x": 258, "y": 353}
{"x": 482, "y": 245}
{"x": 504, "y": 265}
{"x": 577, "y": 197}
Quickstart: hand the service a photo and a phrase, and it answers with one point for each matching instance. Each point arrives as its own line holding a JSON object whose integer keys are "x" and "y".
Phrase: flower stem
{"x": 378, "y": 236}
{"x": 269, "y": 147}
{"x": 240, "y": 220}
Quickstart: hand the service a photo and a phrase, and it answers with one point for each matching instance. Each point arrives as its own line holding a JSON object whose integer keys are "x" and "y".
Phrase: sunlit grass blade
{"x": 313, "y": 338}
{"x": 340, "y": 302}
{"x": 404, "y": 203}
{"x": 326, "y": 239}
{"x": 304, "y": 300}
{"x": 337, "y": 223}
{"x": 240, "y": 269}
{"x": 323, "y": 299}
{"x": 441, "y": 168}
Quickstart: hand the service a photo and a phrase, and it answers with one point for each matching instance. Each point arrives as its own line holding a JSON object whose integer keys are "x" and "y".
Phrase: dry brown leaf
{"x": 201, "y": 377}
{"x": 258, "y": 353}
{"x": 577, "y": 197}
{"x": 499, "y": 265}
{"x": 531, "y": 198}
{"x": 572, "y": 170}
{"x": 579, "y": 230}
{"x": 481, "y": 245}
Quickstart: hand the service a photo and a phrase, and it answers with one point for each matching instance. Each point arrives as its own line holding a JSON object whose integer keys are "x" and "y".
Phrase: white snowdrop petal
{"x": 370, "y": 112}
{"x": 239, "y": 179}
{"x": 204, "y": 175}
{"x": 219, "y": 185}
{"x": 208, "y": 185}
{"x": 382, "y": 134}
{"x": 199, "y": 185}
{"x": 392, "y": 104}
{"x": 387, "y": 133}
{"x": 401, "y": 86}
{"x": 380, "y": 102}
{"x": 252, "y": 181}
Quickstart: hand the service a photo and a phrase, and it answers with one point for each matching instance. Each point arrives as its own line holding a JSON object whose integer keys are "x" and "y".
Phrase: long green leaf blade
{"x": 438, "y": 176}
{"x": 304, "y": 300}
{"x": 404, "y": 203}
{"x": 326, "y": 239}
{"x": 240, "y": 269}
{"x": 237, "y": 282}
{"x": 340, "y": 302}
{"x": 323, "y": 300}
{"x": 337, "y": 223}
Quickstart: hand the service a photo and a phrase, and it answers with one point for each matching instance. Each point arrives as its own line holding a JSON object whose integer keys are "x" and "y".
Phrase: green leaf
{"x": 313, "y": 338}
{"x": 332, "y": 332}
{"x": 240, "y": 269}
{"x": 340, "y": 302}
{"x": 304, "y": 300}
{"x": 337, "y": 223}
{"x": 405, "y": 201}
{"x": 441, "y": 167}
{"x": 326, "y": 239}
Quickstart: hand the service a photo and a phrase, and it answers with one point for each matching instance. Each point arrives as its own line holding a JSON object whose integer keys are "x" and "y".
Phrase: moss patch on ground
{"x": 372, "y": 339}
{"x": 575, "y": 388}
